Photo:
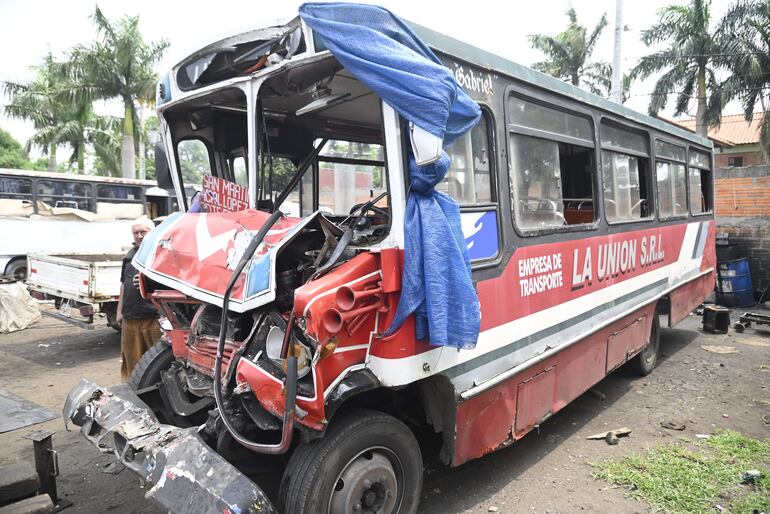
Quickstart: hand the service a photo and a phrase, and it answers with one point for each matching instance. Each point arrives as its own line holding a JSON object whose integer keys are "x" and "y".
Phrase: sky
{"x": 30, "y": 28}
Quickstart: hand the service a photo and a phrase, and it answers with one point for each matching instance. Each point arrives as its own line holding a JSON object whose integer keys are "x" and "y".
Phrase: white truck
{"x": 81, "y": 286}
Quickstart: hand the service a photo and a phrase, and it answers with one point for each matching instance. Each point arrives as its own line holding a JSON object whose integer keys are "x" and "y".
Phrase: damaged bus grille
{"x": 184, "y": 475}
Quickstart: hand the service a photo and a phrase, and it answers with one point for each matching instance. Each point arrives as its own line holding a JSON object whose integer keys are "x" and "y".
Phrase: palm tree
{"x": 745, "y": 29}
{"x": 58, "y": 120}
{"x": 119, "y": 64}
{"x": 38, "y": 101}
{"x": 690, "y": 60}
{"x": 569, "y": 53}
{"x": 104, "y": 137}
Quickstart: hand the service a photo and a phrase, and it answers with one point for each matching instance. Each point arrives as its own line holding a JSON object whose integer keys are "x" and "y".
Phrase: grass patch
{"x": 690, "y": 477}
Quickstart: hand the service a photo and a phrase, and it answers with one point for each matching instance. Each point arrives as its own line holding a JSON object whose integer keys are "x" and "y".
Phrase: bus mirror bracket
{"x": 162, "y": 171}
{"x": 425, "y": 146}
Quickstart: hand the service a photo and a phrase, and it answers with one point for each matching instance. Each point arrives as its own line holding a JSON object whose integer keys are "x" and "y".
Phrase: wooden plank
{"x": 41, "y": 504}
{"x": 17, "y": 481}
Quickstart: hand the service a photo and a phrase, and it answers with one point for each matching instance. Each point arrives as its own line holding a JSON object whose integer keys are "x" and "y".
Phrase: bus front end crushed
{"x": 182, "y": 473}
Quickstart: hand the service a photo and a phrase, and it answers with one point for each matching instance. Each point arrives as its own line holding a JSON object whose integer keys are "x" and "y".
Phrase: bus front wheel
{"x": 367, "y": 461}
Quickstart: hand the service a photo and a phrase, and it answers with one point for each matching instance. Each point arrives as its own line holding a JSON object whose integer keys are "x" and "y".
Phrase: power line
{"x": 691, "y": 56}
{"x": 666, "y": 93}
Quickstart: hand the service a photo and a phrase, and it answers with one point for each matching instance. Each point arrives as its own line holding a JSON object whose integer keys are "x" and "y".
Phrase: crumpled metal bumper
{"x": 183, "y": 473}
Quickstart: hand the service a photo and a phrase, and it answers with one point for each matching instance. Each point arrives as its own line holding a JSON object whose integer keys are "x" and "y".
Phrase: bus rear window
{"x": 700, "y": 178}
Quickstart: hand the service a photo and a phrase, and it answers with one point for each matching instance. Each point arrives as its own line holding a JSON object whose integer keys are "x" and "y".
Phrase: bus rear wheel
{"x": 647, "y": 359}
{"x": 368, "y": 462}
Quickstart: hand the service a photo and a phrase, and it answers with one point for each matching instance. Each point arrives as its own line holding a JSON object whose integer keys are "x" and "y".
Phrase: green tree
{"x": 690, "y": 61}
{"x": 58, "y": 119}
{"x": 119, "y": 64}
{"x": 38, "y": 101}
{"x": 569, "y": 55}
{"x": 12, "y": 155}
{"x": 745, "y": 30}
{"x": 194, "y": 161}
{"x": 104, "y": 137}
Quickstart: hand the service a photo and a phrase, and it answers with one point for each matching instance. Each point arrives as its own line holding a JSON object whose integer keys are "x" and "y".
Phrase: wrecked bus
{"x": 578, "y": 223}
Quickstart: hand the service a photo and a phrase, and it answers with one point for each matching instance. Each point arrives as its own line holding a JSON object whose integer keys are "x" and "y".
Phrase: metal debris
{"x": 182, "y": 473}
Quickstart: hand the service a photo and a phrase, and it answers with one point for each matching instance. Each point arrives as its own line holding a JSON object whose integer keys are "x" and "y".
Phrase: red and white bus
{"x": 585, "y": 222}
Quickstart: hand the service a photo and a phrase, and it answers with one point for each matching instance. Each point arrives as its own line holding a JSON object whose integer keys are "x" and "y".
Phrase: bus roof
{"x": 482, "y": 58}
{"x": 76, "y": 177}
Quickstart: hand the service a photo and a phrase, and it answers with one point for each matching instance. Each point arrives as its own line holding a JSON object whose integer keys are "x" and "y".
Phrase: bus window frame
{"x": 489, "y": 118}
{"x": 651, "y": 184}
{"x": 103, "y": 199}
{"x": 656, "y": 158}
{"x": 710, "y": 170}
{"x": 344, "y": 160}
{"x": 214, "y": 170}
{"x": 563, "y": 105}
{"x": 31, "y": 195}
{"x": 90, "y": 197}
{"x": 496, "y": 194}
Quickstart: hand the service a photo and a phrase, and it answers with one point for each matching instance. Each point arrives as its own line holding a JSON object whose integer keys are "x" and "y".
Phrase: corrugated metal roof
{"x": 734, "y": 128}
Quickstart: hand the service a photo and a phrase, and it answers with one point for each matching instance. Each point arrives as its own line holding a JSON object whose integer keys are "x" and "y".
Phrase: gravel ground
{"x": 547, "y": 472}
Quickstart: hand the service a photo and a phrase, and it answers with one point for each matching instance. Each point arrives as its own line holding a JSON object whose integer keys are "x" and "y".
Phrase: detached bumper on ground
{"x": 183, "y": 474}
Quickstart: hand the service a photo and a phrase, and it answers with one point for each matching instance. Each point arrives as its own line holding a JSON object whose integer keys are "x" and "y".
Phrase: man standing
{"x": 137, "y": 317}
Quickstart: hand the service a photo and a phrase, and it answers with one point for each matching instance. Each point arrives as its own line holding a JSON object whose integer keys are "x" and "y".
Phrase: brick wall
{"x": 753, "y": 158}
{"x": 742, "y": 203}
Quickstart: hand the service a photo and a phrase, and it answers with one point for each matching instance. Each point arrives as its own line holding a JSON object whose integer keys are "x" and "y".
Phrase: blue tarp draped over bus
{"x": 383, "y": 53}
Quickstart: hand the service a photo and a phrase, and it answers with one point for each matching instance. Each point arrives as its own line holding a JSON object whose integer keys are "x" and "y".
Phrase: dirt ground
{"x": 547, "y": 472}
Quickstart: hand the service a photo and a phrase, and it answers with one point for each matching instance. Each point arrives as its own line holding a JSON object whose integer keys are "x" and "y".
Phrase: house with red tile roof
{"x": 736, "y": 141}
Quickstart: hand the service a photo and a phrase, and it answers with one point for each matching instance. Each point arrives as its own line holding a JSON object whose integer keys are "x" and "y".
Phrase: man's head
{"x": 140, "y": 228}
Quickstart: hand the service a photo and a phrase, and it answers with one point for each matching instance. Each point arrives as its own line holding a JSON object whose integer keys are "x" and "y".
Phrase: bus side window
{"x": 552, "y": 166}
{"x": 60, "y": 193}
{"x": 14, "y": 188}
{"x": 469, "y": 179}
{"x": 671, "y": 179}
{"x": 194, "y": 160}
{"x": 699, "y": 176}
{"x": 625, "y": 174}
{"x": 119, "y": 201}
{"x": 238, "y": 170}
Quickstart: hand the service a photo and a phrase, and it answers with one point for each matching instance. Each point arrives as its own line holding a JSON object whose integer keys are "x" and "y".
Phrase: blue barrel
{"x": 734, "y": 286}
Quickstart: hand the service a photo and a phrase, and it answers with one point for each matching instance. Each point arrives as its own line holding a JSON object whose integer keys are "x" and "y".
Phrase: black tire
{"x": 646, "y": 360}
{"x": 363, "y": 444}
{"x": 147, "y": 371}
{"x": 111, "y": 312}
{"x": 17, "y": 269}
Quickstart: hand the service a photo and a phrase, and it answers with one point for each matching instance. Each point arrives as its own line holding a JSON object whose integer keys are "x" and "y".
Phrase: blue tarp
{"x": 383, "y": 53}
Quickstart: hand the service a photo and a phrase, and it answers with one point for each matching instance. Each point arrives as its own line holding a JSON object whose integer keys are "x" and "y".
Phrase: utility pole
{"x": 616, "y": 92}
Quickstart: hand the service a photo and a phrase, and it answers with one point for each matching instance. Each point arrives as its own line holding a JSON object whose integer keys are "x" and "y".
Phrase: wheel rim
{"x": 368, "y": 484}
{"x": 20, "y": 273}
